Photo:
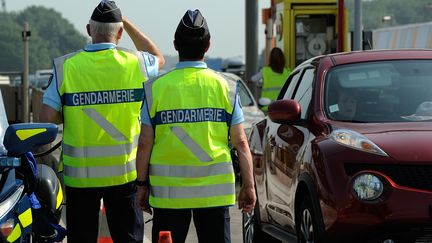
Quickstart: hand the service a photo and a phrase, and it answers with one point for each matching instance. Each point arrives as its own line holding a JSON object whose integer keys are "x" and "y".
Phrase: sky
{"x": 158, "y": 19}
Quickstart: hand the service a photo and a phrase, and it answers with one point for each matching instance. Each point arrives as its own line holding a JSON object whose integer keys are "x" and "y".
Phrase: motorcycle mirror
{"x": 25, "y": 137}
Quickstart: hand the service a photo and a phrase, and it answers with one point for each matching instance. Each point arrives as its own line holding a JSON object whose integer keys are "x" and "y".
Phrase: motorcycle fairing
{"x": 21, "y": 138}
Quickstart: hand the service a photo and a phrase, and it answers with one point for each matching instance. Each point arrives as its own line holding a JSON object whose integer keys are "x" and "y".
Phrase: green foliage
{"x": 10, "y": 35}
{"x": 402, "y": 12}
{"x": 51, "y": 36}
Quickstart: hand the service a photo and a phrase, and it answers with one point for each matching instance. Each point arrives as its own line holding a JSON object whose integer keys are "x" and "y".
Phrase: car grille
{"x": 426, "y": 236}
{"x": 414, "y": 176}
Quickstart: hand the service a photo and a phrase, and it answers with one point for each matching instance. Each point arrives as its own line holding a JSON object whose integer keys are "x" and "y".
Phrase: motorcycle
{"x": 31, "y": 194}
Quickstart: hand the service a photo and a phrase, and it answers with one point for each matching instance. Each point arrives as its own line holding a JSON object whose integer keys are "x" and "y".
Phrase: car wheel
{"x": 308, "y": 228}
{"x": 251, "y": 229}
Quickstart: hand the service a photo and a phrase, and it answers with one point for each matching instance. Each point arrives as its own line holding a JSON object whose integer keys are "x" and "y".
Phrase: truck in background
{"x": 306, "y": 28}
{"x": 404, "y": 36}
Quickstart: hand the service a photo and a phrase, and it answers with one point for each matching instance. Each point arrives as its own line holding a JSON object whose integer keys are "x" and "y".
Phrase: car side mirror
{"x": 284, "y": 111}
{"x": 264, "y": 101}
{"x": 24, "y": 137}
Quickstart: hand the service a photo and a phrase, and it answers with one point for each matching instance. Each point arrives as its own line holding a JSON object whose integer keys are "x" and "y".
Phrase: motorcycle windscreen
{"x": 3, "y": 125}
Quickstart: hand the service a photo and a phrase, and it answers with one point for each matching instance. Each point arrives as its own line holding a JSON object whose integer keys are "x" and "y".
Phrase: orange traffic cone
{"x": 104, "y": 236}
{"x": 165, "y": 237}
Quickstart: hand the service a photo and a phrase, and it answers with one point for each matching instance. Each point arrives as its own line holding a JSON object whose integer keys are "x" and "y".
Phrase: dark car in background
{"x": 235, "y": 65}
{"x": 344, "y": 154}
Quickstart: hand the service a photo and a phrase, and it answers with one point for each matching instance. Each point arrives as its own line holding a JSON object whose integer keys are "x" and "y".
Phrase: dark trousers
{"x": 212, "y": 224}
{"x": 125, "y": 220}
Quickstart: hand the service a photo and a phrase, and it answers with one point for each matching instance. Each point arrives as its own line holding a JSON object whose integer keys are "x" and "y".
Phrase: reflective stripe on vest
{"x": 191, "y": 171}
{"x": 101, "y": 95}
{"x": 182, "y": 135}
{"x": 273, "y": 82}
{"x": 193, "y": 123}
{"x": 175, "y": 192}
{"x": 102, "y": 122}
{"x": 99, "y": 171}
{"x": 102, "y": 151}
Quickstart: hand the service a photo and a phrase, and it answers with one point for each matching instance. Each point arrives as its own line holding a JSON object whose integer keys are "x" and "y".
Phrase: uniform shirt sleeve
{"x": 145, "y": 114}
{"x": 151, "y": 63}
{"x": 51, "y": 96}
{"x": 237, "y": 116}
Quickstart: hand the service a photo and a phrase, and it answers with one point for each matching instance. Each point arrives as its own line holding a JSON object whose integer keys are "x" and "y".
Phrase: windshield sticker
{"x": 334, "y": 108}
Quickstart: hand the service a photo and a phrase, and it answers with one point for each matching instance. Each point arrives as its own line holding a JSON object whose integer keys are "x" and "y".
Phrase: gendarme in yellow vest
{"x": 272, "y": 83}
{"x": 101, "y": 94}
{"x": 190, "y": 164}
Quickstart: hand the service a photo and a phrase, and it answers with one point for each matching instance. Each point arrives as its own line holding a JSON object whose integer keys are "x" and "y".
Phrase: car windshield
{"x": 380, "y": 91}
{"x": 3, "y": 125}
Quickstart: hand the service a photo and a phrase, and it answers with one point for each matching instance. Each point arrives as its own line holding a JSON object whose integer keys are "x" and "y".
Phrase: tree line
{"x": 51, "y": 36}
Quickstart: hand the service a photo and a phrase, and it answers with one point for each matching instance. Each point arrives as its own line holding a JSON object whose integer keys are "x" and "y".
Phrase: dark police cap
{"x": 107, "y": 12}
{"x": 193, "y": 24}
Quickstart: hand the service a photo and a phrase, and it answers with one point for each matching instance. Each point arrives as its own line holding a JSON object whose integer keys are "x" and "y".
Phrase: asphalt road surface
{"x": 235, "y": 213}
{"x": 236, "y": 226}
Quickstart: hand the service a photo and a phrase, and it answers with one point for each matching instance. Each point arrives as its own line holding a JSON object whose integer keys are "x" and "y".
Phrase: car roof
{"x": 378, "y": 55}
{"x": 230, "y": 76}
{"x": 342, "y": 58}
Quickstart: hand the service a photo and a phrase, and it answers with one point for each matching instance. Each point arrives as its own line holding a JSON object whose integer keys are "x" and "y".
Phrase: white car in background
{"x": 251, "y": 111}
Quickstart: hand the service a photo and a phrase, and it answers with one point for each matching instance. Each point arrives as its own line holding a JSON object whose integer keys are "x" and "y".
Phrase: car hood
{"x": 401, "y": 141}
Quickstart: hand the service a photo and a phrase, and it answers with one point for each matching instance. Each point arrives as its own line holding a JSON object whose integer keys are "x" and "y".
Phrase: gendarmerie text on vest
{"x": 103, "y": 97}
{"x": 191, "y": 115}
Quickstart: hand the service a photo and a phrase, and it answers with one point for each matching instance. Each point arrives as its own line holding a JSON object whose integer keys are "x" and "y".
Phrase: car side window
{"x": 245, "y": 98}
{"x": 291, "y": 86}
{"x": 303, "y": 93}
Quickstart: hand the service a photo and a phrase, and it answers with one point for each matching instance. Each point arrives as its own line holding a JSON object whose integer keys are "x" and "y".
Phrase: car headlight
{"x": 356, "y": 140}
{"x": 368, "y": 186}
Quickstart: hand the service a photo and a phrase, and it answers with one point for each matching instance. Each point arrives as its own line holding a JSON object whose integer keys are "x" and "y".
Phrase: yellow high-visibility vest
{"x": 190, "y": 164}
{"x": 101, "y": 94}
{"x": 272, "y": 83}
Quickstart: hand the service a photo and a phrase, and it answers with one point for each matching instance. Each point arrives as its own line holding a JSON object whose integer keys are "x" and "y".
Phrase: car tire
{"x": 252, "y": 232}
{"x": 307, "y": 223}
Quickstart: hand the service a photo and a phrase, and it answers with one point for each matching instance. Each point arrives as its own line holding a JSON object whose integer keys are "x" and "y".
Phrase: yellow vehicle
{"x": 306, "y": 28}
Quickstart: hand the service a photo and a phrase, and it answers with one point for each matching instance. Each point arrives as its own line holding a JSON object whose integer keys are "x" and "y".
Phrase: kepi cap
{"x": 192, "y": 25}
{"x": 107, "y": 12}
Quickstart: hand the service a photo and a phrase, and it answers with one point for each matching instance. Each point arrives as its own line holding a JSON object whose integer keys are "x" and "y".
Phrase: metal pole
{"x": 341, "y": 26}
{"x": 251, "y": 40}
{"x": 358, "y": 27}
{"x": 25, "y": 80}
{"x": 269, "y": 40}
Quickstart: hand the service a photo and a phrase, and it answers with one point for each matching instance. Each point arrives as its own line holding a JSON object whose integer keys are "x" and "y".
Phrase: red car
{"x": 345, "y": 153}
